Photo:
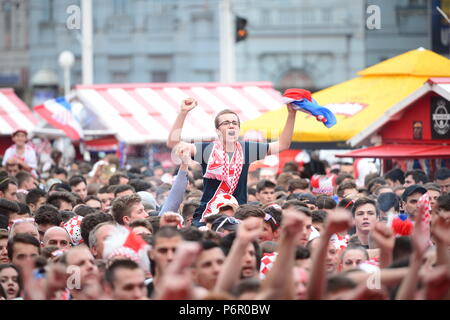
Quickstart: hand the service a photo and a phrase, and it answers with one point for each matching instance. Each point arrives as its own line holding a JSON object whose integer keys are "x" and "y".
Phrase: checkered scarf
{"x": 218, "y": 167}
{"x": 267, "y": 262}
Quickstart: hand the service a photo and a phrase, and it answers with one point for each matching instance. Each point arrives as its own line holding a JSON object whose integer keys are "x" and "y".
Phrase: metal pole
{"x": 86, "y": 42}
{"x": 227, "y": 42}
{"x": 66, "y": 81}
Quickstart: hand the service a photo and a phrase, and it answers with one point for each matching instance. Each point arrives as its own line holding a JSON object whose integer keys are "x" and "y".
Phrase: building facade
{"x": 292, "y": 43}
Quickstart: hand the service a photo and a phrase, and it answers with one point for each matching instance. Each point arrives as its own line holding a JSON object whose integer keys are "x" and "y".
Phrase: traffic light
{"x": 241, "y": 31}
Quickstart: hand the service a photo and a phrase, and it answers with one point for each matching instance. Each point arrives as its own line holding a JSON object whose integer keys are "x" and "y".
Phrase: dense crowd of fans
{"x": 102, "y": 232}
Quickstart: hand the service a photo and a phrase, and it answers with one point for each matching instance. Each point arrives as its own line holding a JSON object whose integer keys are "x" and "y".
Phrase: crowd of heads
{"x": 104, "y": 235}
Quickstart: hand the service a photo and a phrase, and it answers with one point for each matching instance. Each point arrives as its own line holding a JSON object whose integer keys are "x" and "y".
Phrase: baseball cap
{"x": 413, "y": 189}
{"x": 387, "y": 200}
{"x": 224, "y": 200}
{"x": 225, "y": 222}
{"x": 148, "y": 200}
{"x": 305, "y": 197}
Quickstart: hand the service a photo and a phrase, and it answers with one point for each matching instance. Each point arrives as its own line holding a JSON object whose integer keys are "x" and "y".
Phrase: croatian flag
{"x": 302, "y": 101}
{"x": 58, "y": 112}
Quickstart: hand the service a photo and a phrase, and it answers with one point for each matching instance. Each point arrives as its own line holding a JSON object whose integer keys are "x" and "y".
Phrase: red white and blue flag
{"x": 58, "y": 113}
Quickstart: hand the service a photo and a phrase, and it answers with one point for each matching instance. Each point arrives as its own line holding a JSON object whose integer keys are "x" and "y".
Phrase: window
{"x": 119, "y": 77}
{"x": 159, "y": 76}
{"x": 119, "y": 7}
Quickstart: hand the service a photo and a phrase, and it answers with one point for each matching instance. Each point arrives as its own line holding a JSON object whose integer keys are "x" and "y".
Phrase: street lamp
{"x": 66, "y": 60}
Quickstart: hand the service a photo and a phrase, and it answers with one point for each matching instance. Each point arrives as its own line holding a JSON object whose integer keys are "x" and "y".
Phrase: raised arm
{"x": 176, "y": 193}
{"x": 385, "y": 240}
{"x": 420, "y": 243}
{"x": 337, "y": 221}
{"x": 248, "y": 231}
{"x": 175, "y": 133}
{"x": 286, "y": 135}
{"x": 279, "y": 281}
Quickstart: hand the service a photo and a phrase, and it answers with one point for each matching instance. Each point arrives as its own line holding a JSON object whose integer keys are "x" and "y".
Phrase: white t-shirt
{"x": 29, "y": 157}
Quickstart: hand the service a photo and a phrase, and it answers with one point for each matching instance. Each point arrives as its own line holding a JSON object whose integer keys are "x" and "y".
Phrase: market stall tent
{"x": 144, "y": 113}
{"x": 359, "y": 102}
{"x": 14, "y": 114}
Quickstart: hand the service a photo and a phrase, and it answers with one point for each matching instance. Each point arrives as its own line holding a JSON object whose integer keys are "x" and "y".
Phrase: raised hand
{"x": 250, "y": 229}
{"x": 170, "y": 219}
{"x": 292, "y": 223}
{"x": 337, "y": 221}
{"x": 188, "y": 104}
{"x": 182, "y": 152}
{"x": 383, "y": 236}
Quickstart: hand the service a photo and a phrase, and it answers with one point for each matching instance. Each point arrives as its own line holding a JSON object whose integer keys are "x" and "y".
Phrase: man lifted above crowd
{"x": 225, "y": 162}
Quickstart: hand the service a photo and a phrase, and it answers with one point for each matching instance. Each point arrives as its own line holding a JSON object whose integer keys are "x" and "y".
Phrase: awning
{"x": 14, "y": 113}
{"x": 360, "y": 102}
{"x": 144, "y": 113}
{"x": 403, "y": 151}
{"x": 102, "y": 144}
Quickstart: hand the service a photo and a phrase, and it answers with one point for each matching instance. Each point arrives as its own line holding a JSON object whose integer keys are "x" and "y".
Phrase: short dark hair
{"x": 318, "y": 216}
{"x": 189, "y": 208}
{"x": 57, "y": 197}
{"x": 48, "y": 214}
{"x": 246, "y": 285}
{"x": 417, "y": 175}
{"x": 376, "y": 182}
{"x": 23, "y": 208}
{"x": 343, "y": 186}
{"x": 341, "y": 177}
{"x": 115, "y": 178}
{"x": 402, "y": 248}
{"x": 442, "y": 173}
{"x": 210, "y": 218}
{"x": 142, "y": 223}
{"x": 443, "y": 202}
{"x": 297, "y": 184}
{"x": 362, "y": 201}
{"x": 7, "y": 206}
{"x": 76, "y": 180}
{"x": 123, "y": 187}
{"x": 297, "y": 205}
{"x": 338, "y": 282}
{"x": 83, "y": 210}
{"x": 34, "y": 195}
{"x": 22, "y": 238}
{"x": 140, "y": 185}
{"x": 325, "y": 202}
{"x": 227, "y": 241}
{"x": 23, "y": 176}
{"x": 118, "y": 264}
{"x": 263, "y": 184}
{"x": 121, "y": 206}
{"x": 395, "y": 174}
{"x": 247, "y": 210}
{"x": 60, "y": 170}
{"x": 302, "y": 253}
{"x": 5, "y": 182}
{"x": 166, "y": 232}
{"x": 225, "y": 111}
{"x": 90, "y": 221}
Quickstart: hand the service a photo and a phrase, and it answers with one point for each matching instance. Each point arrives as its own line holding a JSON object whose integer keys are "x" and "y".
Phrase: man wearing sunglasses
{"x": 225, "y": 162}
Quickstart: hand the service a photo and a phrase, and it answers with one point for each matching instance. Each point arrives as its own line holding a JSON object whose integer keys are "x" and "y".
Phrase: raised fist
{"x": 188, "y": 104}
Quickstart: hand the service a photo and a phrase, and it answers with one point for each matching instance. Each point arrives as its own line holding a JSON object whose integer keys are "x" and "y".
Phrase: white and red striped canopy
{"x": 14, "y": 113}
{"x": 143, "y": 113}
